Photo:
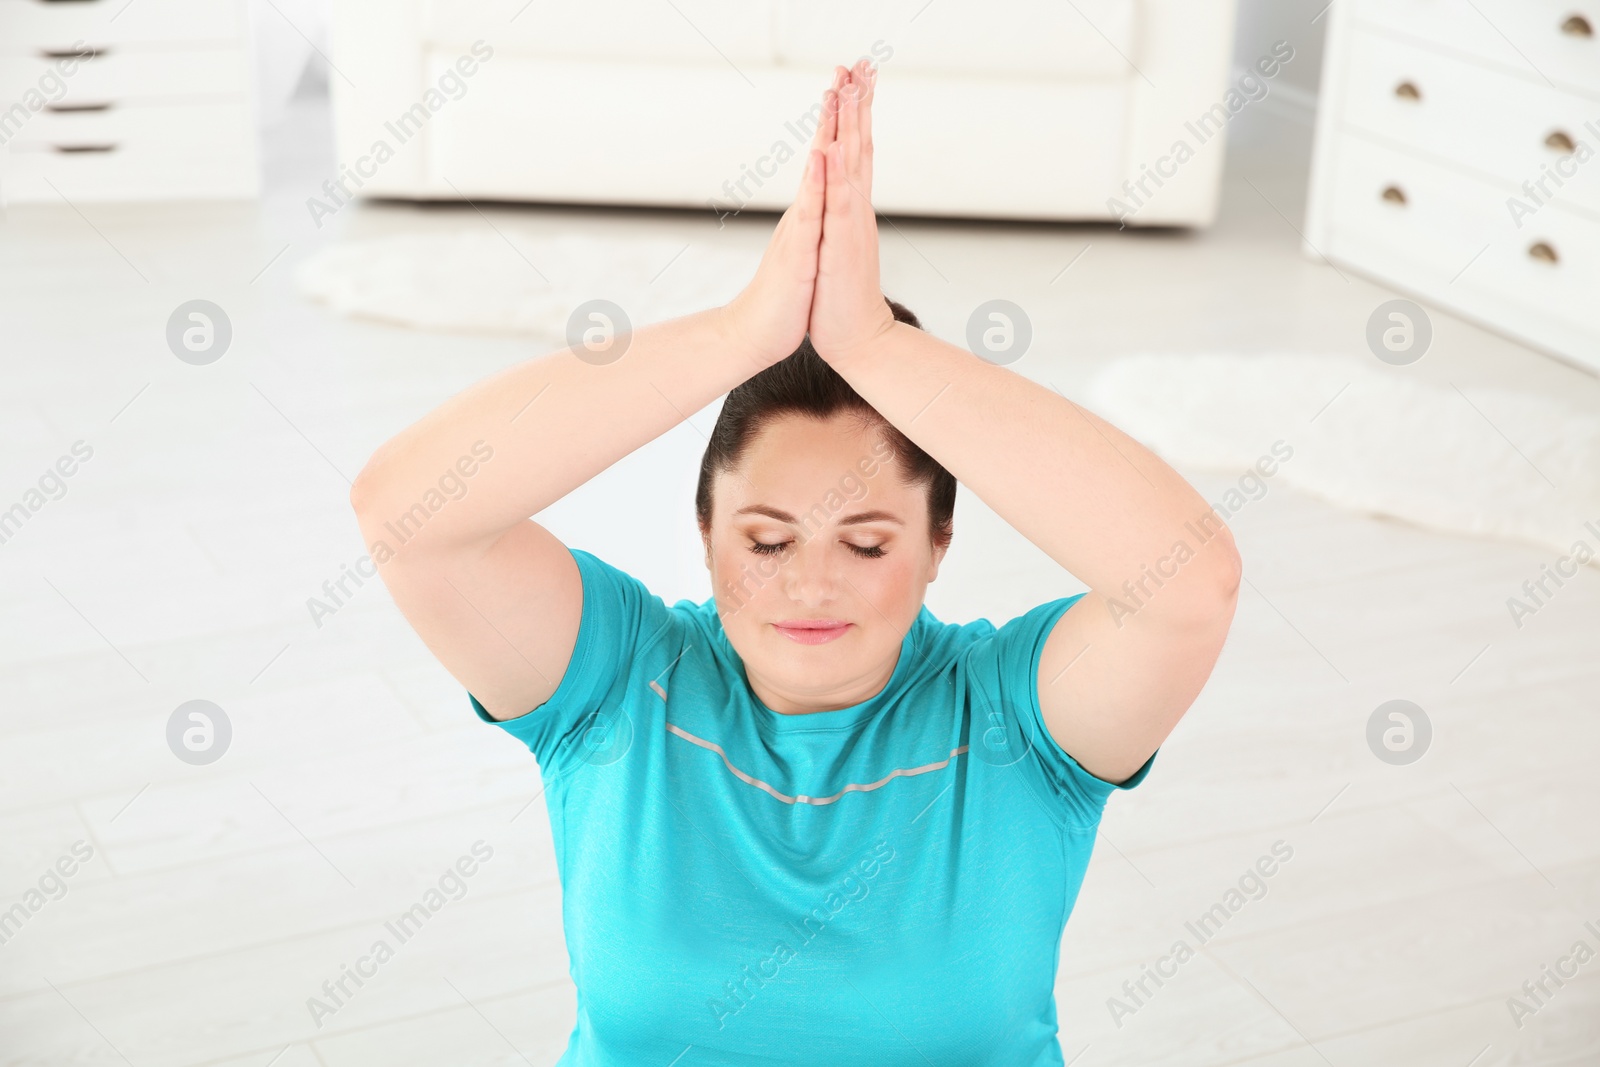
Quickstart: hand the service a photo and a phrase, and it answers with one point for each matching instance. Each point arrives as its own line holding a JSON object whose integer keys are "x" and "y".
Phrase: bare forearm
{"x": 548, "y": 425}
{"x": 1096, "y": 501}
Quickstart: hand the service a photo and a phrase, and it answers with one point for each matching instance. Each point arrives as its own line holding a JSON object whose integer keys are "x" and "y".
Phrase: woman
{"x": 806, "y": 822}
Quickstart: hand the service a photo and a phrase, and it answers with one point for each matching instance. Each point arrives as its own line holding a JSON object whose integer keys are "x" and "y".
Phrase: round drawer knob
{"x": 1561, "y": 141}
{"x": 1394, "y": 194}
{"x": 1408, "y": 91}
{"x": 1541, "y": 251}
{"x": 1577, "y": 26}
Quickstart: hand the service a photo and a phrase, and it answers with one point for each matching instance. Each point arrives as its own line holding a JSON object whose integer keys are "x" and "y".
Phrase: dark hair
{"x": 802, "y": 383}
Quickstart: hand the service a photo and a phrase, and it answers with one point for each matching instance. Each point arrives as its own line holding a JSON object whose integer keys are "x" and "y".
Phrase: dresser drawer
{"x": 28, "y": 25}
{"x": 1459, "y": 111}
{"x": 1433, "y": 218}
{"x": 134, "y": 172}
{"x": 152, "y": 152}
{"x": 1539, "y": 39}
{"x": 178, "y": 126}
{"x": 1454, "y": 239}
{"x": 1565, "y": 288}
{"x": 128, "y": 75}
{"x": 704, "y": 32}
{"x": 1086, "y": 39}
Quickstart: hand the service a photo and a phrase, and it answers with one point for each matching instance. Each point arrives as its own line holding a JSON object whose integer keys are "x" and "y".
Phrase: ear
{"x": 938, "y": 558}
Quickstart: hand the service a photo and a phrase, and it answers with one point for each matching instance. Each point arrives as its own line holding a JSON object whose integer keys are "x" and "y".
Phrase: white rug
{"x": 484, "y": 280}
{"x": 1480, "y": 461}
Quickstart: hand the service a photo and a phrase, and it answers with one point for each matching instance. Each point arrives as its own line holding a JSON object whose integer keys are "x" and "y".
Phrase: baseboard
{"x": 1292, "y": 102}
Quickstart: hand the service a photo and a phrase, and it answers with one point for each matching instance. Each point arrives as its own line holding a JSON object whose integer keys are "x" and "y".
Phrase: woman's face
{"x": 815, "y": 526}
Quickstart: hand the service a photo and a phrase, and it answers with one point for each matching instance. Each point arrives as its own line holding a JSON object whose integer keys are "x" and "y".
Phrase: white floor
{"x": 219, "y": 898}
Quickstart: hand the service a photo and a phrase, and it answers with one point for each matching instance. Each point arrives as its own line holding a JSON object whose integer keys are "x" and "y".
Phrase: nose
{"x": 809, "y": 574}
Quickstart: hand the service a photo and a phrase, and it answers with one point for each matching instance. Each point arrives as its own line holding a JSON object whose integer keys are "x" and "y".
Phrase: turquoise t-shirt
{"x": 880, "y": 885}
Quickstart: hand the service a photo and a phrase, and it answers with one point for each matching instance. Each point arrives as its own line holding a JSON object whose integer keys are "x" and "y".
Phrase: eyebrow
{"x": 848, "y": 520}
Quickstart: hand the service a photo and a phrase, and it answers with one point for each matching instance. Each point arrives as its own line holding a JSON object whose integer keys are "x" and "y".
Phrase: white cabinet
{"x": 1456, "y": 159}
{"x": 118, "y": 100}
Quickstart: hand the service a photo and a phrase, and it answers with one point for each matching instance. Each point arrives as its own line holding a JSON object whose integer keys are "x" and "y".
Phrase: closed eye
{"x": 762, "y": 548}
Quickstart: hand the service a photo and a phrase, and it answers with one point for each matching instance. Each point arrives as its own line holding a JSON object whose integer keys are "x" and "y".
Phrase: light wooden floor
{"x": 219, "y": 898}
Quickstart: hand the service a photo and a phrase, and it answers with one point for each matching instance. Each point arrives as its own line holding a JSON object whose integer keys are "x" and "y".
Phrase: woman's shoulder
{"x": 1009, "y": 637}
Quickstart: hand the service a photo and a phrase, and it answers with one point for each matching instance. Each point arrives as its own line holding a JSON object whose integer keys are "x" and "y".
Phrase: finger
{"x": 828, "y": 123}
{"x": 809, "y": 201}
{"x": 866, "y": 129}
{"x": 841, "y": 79}
{"x": 793, "y": 246}
{"x": 871, "y": 78}
{"x": 849, "y": 120}
{"x": 838, "y": 194}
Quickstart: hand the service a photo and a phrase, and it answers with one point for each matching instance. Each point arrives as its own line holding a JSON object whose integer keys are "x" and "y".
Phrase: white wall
{"x": 1292, "y": 95}
{"x": 1261, "y": 22}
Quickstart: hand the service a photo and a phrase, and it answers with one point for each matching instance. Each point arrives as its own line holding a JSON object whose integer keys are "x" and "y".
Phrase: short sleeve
{"x": 621, "y": 621}
{"x": 1004, "y": 671}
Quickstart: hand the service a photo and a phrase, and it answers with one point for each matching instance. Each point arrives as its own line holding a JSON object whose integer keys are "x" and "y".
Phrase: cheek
{"x": 896, "y": 582}
{"x": 741, "y": 578}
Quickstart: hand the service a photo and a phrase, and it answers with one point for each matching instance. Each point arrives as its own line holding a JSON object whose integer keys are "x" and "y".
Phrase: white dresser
{"x": 1458, "y": 160}
{"x": 125, "y": 100}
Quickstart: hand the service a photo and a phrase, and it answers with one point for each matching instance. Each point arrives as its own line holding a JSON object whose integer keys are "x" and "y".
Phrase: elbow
{"x": 1226, "y": 574}
{"x": 362, "y": 492}
{"x": 371, "y": 486}
{"x": 367, "y": 490}
{"x": 1211, "y": 586}
{"x": 1227, "y": 568}
{"x": 1231, "y": 571}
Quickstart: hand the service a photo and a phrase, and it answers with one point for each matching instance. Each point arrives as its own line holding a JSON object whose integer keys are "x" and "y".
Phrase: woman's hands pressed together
{"x": 819, "y": 274}
{"x": 847, "y": 305}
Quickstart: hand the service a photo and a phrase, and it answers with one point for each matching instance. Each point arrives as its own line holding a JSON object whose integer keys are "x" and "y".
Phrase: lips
{"x": 812, "y": 631}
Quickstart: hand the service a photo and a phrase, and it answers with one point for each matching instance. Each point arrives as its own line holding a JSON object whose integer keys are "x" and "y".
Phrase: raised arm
{"x": 1120, "y": 668}
{"x": 445, "y": 505}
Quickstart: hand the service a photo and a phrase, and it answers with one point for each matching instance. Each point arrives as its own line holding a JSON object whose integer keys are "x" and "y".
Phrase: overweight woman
{"x": 805, "y": 821}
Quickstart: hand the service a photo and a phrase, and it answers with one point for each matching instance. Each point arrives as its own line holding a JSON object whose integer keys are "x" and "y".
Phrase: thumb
{"x": 809, "y": 200}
